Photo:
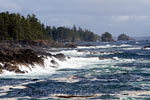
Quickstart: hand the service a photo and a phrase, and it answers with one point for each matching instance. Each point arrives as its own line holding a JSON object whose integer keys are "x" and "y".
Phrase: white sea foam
{"x": 132, "y": 48}
{"x": 35, "y": 69}
{"x": 147, "y": 48}
{"x": 76, "y": 60}
{"x": 70, "y": 79}
{"x": 103, "y": 46}
{"x": 73, "y": 53}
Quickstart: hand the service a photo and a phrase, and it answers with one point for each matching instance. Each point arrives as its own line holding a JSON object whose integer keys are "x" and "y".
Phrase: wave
{"x": 132, "y": 48}
{"x": 104, "y": 46}
{"x": 73, "y": 63}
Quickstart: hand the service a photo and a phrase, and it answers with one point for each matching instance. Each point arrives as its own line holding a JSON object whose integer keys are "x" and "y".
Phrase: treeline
{"x": 14, "y": 26}
{"x": 71, "y": 34}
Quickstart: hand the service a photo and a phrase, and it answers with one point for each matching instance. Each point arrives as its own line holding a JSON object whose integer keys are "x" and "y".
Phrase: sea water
{"x": 122, "y": 74}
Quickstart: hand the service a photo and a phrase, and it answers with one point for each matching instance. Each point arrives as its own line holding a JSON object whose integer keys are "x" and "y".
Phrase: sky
{"x": 131, "y": 17}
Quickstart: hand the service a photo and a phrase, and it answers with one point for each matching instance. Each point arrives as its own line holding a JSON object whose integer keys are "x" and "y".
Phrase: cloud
{"x": 120, "y": 18}
{"x": 60, "y": 22}
{"x": 130, "y": 18}
{"x": 8, "y": 5}
{"x": 141, "y": 18}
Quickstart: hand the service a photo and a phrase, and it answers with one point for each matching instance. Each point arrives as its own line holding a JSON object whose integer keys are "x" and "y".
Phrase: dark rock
{"x": 19, "y": 71}
{"x": 9, "y": 67}
{"x": 12, "y": 58}
{"x": 86, "y": 51}
{"x": 35, "y": 79}
{"x": 54, "y": 66}
{"x": 14, "y": 68}
{"x": 21, "y": 56}
{"x": 1, "y": 69}
{"x": 75, "y": 96}
{"x": 114, "y": 52}
{"x": 44, "y": 54}
{"x": 60, "y": 56}
{"x": 94, "y": 52}
{"x": 146, "y": 47}
{"x": 71, "y": 46}
{"x": 54, "y": 62}
{"x": 80, "y": 50}
{"x": 101, "y": 58}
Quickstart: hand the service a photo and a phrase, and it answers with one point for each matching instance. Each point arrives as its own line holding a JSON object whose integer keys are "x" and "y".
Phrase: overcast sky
{"x": 115, "y": 16}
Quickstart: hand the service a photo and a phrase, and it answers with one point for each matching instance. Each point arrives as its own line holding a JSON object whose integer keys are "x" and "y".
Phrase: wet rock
{"x": 147, "y": 47}
{"x": 10, "y": 67}
{"x": 73, "y": 77}
{"x": 35, "y": 79}
{"x": 14, "y": 68}
{"x": 75, "y": 96}
{"x": 54, "y": 62}
{"x": 101, "y": 58}
{"x": 54, "y": 66}
{"x": 80, "y": 50}
{"x": 22, "y": 56}
{"x": 12, "y": 58}
{"x": 44, "y": 54}
{"x": 1, "y": 69}
{"x": 60, "y": 56}
{"x": 85, "y": 51}
{"x": 94, "y": 52}
{"x": 71, "y": 46}
{"x": 114, "y": 52}
{"x": 19, "y": 71}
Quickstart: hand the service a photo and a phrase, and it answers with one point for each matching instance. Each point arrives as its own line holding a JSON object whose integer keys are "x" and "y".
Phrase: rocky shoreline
{"x": 12, "y": 60}
{"x": 13, "y": 56}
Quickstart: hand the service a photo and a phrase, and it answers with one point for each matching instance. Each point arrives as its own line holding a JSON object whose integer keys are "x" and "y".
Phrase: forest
{"x": 14, "y": 26}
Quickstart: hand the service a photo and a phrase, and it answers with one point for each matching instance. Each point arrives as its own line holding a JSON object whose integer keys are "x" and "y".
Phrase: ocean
{"x": 103, "y": 71}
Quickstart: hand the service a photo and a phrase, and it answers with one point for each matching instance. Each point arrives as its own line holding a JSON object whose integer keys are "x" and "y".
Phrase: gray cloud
{"x": 8, "y": 5}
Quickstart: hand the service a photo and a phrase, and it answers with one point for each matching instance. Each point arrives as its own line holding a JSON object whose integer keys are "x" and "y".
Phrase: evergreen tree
{"x": 16, "y": 27}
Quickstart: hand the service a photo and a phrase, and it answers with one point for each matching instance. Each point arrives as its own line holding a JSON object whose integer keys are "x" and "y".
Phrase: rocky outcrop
{"x": 10, "y": 59}
{"x": 124, "y": 37}
{"x": 21, "y": 56}
{"x": 15, "y": 54}
{"x": 60, "y": 56}
{"x": 107, "y": 37}
{"x": 36, "y": 45}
